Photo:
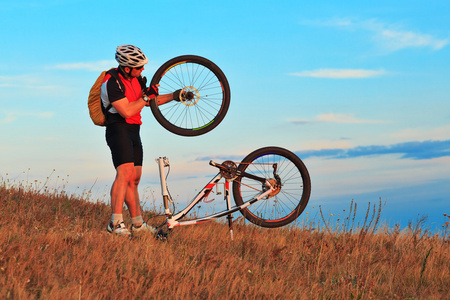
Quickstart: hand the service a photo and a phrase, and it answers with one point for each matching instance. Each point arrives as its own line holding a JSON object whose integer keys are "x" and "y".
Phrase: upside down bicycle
{"x": 271, "y": 188}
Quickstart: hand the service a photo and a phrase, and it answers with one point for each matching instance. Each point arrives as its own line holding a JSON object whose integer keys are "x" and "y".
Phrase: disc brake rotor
{"x": 191, "y": 96}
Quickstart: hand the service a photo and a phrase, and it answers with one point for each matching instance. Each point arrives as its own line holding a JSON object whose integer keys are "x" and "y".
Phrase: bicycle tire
{"x": 210, "y": 91}
{"x": 288, "y": 203}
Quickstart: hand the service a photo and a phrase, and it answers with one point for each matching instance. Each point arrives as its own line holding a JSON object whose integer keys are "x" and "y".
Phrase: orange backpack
{"x": 97, "y": 111}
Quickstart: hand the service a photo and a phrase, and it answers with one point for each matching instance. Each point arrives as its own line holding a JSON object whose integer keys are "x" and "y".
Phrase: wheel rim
{"x": 206, "y": 88}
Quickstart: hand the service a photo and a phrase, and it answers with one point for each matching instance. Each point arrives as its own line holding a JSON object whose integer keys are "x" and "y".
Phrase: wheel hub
{"x": 191, "y": 96}
{"x": 276, "y": 186}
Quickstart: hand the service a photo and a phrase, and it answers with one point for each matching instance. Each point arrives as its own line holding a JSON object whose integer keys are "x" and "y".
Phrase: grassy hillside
{"x": 56, "y": 247}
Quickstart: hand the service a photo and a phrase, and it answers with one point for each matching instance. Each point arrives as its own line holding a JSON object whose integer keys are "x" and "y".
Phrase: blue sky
{"x": 358, "y": 90}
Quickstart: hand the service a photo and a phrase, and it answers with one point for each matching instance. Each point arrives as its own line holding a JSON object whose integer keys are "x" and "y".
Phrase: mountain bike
{"x": 205, "y": 100}
{"x": 271, "y": 188}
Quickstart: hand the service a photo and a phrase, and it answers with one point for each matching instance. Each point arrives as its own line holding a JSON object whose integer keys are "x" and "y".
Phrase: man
{"x": 122, "y": 134}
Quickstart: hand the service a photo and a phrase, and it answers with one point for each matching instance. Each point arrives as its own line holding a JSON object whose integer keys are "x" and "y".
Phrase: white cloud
{"x": 420, "y": 134}
{"x": 391, "y": 37}
{"x": 340, "y": 73}
{"x": 25, "y": 81}
{"x": 337, "y": 118}
{"x": 342, "y": 118}
{"x": 12, "y": 116}
{"x": 396, "y": 40}
{"x": 17, "y": 81}
{"x": 89, "y": 66}
{"x": 321, "y": 144}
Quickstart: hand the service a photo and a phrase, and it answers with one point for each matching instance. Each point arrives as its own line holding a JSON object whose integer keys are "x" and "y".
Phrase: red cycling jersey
{"x": 111, "y": 92}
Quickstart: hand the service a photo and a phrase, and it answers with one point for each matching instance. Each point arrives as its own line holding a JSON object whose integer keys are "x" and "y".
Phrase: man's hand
{"x": 152, "y": 91}
{"x": 177, "y": 95}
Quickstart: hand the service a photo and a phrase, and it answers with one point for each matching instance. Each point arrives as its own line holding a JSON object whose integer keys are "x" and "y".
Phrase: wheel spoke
{"x": 206, "y": 83}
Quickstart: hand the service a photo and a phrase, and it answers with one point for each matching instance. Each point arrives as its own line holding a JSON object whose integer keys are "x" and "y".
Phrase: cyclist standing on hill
{"x": 122, "y": 134}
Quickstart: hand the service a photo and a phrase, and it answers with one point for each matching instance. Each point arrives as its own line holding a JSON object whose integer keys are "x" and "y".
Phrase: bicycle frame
{"x": 174, "y": 220}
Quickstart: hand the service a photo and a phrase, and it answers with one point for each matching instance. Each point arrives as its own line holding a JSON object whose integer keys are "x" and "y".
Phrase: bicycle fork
{"x": 164, "y": 162}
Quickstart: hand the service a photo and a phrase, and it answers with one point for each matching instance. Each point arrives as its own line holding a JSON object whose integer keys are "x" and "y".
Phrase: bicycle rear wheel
{"x": 208, "y": 90}
{"x": 291, "y": 196}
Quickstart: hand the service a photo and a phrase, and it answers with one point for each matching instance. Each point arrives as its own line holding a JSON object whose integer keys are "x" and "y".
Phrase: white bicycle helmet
{"x": 130, "y": 56}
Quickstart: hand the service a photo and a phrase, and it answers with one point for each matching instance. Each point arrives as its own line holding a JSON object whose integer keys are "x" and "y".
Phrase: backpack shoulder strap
{"x": 115, "y": 74}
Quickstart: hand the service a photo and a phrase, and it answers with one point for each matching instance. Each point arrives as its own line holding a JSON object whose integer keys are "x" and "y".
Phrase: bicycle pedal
{"x": 162, "y": 236}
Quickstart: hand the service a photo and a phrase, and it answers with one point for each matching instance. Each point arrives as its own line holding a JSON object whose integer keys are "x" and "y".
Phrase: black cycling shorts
{"x": 125, "y": 143}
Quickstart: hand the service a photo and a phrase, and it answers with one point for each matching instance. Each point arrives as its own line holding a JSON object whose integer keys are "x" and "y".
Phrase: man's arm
{"x": 163, "y": 99}
{"x": 128, "y": 109}
{"x": 152, "y": 92}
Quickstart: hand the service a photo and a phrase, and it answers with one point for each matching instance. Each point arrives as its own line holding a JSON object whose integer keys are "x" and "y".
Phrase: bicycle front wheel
{"x": 281, "y": 168}
{"x": 208, "y": 95}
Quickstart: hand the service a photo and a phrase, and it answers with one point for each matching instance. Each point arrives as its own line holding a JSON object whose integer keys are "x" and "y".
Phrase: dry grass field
{"x": 55, "y": 246}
